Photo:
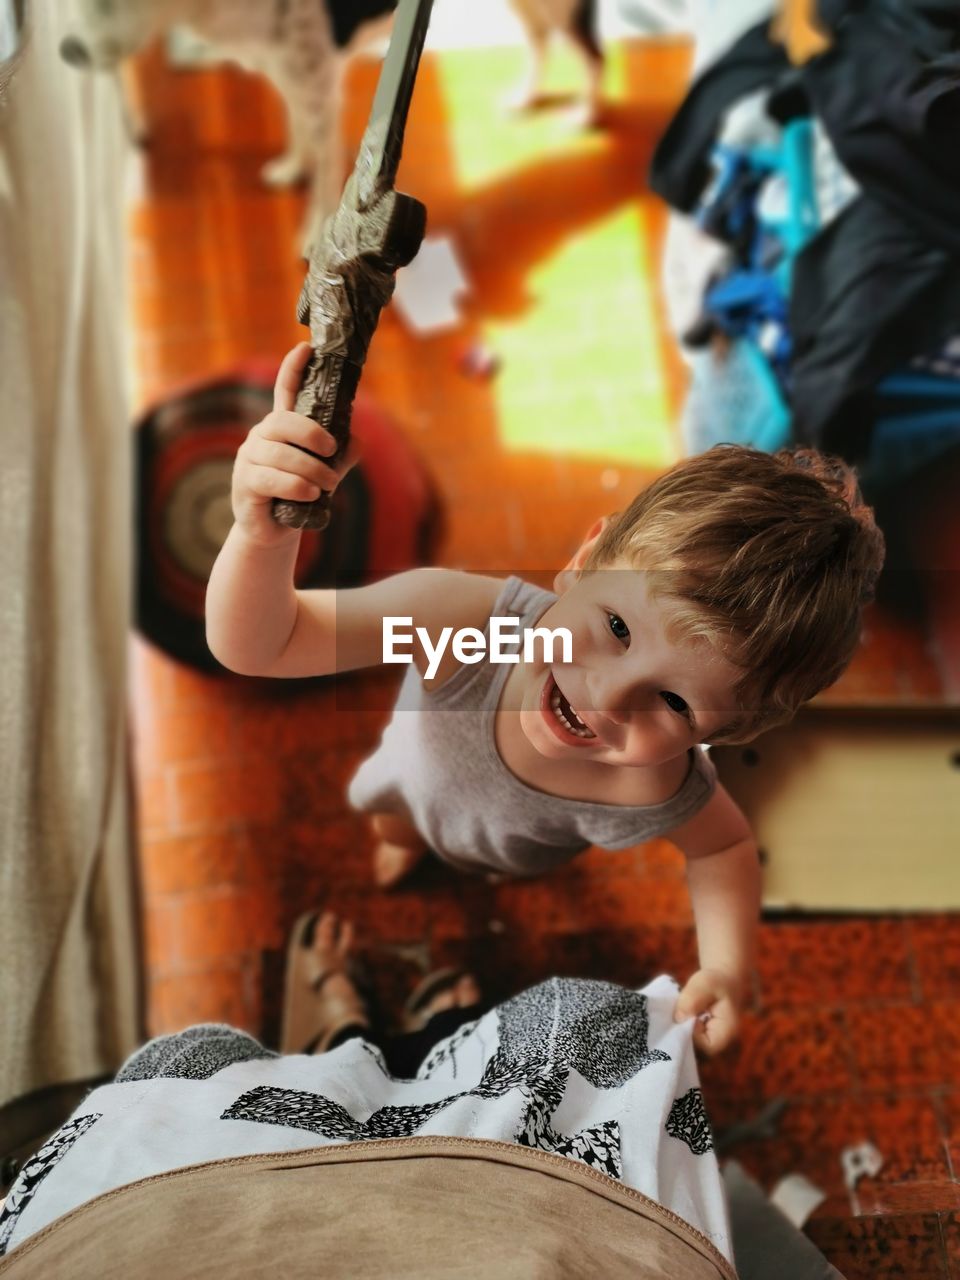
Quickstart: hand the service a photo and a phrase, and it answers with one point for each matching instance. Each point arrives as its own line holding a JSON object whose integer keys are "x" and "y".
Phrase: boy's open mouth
{"x": 561, "y": 716}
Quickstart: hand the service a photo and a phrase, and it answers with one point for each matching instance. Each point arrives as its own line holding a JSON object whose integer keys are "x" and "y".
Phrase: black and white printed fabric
{"x": 583, "y": 1069}
{"x": 36, "y": 1169}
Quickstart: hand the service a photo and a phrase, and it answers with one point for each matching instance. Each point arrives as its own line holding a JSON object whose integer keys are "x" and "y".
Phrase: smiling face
{"x": 633, "y": 695}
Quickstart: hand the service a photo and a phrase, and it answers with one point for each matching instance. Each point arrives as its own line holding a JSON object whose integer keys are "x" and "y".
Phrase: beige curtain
{"x": 68, "y": 984}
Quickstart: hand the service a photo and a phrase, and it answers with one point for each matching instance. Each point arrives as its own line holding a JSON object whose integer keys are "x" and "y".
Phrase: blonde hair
{"x": 768, "y": 557}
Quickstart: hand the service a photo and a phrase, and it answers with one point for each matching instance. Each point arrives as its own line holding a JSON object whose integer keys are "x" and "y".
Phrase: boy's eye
{"x": 675, "y": 702}
{"x": 618, "y": 627}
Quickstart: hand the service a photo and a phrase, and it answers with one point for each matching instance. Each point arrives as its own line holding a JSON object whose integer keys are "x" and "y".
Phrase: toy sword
{"x": 352, "y": 270}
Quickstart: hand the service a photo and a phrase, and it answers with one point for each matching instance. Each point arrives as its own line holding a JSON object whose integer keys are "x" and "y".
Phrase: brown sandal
{"x": 416, "y": 1011}
{"x": 312, "y": 1020}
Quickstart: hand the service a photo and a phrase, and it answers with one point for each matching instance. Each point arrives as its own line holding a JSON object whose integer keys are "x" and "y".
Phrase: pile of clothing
{"x": 836, "y": 288}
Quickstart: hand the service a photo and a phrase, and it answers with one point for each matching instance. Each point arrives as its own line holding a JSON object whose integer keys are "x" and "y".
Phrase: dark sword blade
{"x": 379, "y": 153}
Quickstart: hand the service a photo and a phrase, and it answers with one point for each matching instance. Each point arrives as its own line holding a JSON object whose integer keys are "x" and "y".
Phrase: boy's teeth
{"x": 576, "y": 727}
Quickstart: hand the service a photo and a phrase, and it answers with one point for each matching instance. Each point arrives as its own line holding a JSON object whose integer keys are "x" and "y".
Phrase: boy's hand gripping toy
{"x": 351, "y": 273}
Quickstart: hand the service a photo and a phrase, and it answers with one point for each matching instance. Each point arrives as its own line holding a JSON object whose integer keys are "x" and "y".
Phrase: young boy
{"x": 727, "y": 594}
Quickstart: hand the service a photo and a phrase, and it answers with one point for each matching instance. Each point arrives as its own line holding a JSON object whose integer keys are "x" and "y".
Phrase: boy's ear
{"x": 571, "y": 570}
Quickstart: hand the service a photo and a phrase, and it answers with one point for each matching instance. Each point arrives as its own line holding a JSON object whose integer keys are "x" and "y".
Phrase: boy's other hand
{"x": 270, "y": 465}
{"x": 713, "y": 998}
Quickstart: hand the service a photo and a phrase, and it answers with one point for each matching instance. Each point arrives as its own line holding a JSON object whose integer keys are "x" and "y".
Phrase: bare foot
{"x": 331, "y": 950}
{"x": 461, "y": 995}
{"x": 284, "y": 171}
{"x": 586, "y": 115}
{"x": 445, "y": 989}
{"x": 399, "y": 848}
{"x": 394, "y": 862}
{"x": 524, "y": 98}
{"x": 322, "y": 999}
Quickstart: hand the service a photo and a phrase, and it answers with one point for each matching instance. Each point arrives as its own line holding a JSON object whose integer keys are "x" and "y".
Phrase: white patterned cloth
{"x": 583, "y": 1069}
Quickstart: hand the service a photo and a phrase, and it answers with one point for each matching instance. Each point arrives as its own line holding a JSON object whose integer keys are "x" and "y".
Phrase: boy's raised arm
{"x": 251, "y": 605}
{"x": 258, "y": 624}
{"x": 282, "y": 632}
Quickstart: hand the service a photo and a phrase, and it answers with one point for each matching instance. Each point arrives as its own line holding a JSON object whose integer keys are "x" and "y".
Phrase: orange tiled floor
{"x": 242, "y": 821}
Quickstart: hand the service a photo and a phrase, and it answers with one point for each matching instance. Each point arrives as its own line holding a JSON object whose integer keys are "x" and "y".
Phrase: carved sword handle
{"x": 350, "y": 279}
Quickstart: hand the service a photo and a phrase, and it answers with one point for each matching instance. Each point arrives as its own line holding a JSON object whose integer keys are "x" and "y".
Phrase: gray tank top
{"x": 438, "y": 766}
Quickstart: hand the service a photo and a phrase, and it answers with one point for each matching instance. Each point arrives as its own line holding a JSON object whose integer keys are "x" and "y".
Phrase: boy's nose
{"x": 609, "y": 698}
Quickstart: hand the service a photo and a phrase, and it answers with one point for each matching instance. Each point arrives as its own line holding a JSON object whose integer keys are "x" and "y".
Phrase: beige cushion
{"x": 417, "y": 1207}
